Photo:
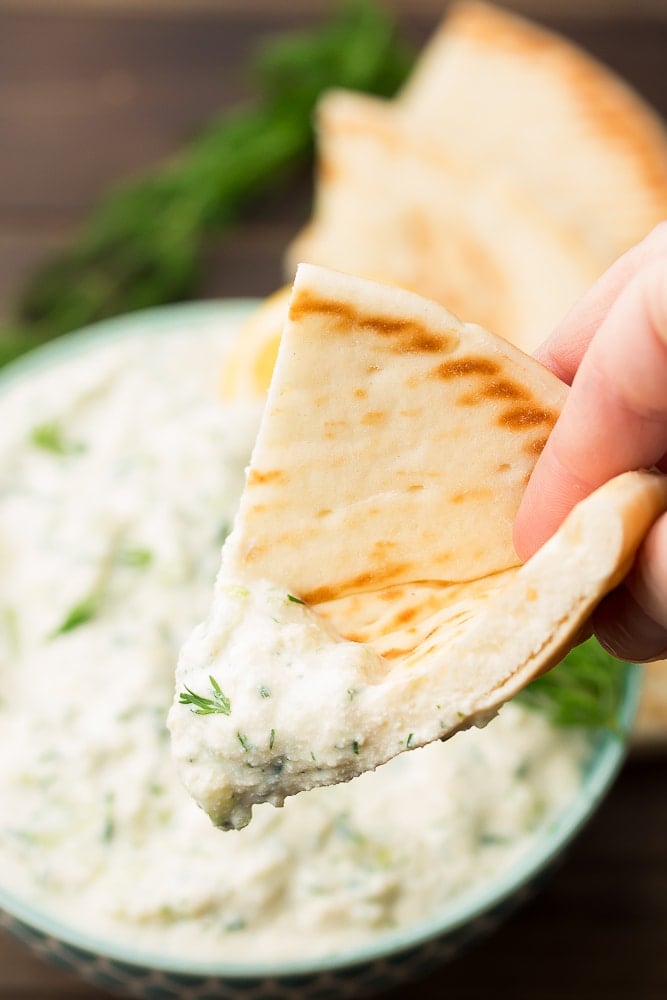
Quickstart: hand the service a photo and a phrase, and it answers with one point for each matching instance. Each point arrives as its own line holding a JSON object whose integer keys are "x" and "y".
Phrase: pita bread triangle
{"x": 393, "y": 205}
{"x": 534, "y": 107}
{"x": 392, "y": 455}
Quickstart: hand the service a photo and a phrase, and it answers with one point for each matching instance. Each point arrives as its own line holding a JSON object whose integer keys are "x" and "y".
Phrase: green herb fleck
{"x": 410, "y": 741}
{"x": 355, "y": 746}
{"x": 294, "y": 600}
{"x": 272, "y": 738}
{"x": 238, "y": 924}
{"x": 219, "y": 704}
{"x": 243, "y": 740}
{"x": 108, "y": 827}
{"x": 351, "y": 693}
{"x": 80, "y": 614}
{"x": 137, "y": 557}
{"x": 49, "y": 437}
{"x": 313, "y": 757}
{"x": 264, "y": 692}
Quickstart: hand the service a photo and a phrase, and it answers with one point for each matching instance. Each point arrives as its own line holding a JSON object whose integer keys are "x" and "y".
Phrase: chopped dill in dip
{"x": 120, "y": 471}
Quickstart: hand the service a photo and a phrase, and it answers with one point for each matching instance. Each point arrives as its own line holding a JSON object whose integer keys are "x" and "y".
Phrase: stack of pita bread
{"x": 510, "y": 171}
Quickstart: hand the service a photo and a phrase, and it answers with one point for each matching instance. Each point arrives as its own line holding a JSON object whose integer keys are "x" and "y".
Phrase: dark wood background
{"x": 92, "y": 92}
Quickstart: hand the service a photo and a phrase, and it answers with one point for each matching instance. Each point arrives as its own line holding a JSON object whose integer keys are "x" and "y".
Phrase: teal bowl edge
{"x": 607, "y": 755}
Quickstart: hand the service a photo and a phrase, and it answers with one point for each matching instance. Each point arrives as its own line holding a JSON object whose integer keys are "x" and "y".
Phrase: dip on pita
{"x": 370, "y": 600}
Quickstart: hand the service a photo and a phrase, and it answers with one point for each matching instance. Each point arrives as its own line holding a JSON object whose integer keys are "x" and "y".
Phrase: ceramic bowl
{"x": 394, "y": 957}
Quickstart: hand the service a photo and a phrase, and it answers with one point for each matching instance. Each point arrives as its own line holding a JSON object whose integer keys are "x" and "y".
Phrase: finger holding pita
{"x": 615, "y": 420}
{"x": 565, "y": 348}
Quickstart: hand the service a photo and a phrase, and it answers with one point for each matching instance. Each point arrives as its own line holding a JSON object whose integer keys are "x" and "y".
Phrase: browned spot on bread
{"x": 254, "y": 552}
{"x": 504, "y": 467}
{"x": 374, "y": 417}
{"x": 363, "y": 581}
{"x": 405, "y": 616}
{"x": 520, "y": 417}
{"x": 404, "y": 335}
{"x": 460, "y": 367}
{"x": 324, "y": 512}
{"x": 257, "y": 476}
{"x": 415, "y": 488}
{"x": 393, "y": 654}
{"x": 360, "y": 394}
{"x": 495, "y": 388}
{"x": 391, "y": 595}
{"x": 474, "y": 493}
{"x": 536, "y": 446}
{"x": 382, "y": 545}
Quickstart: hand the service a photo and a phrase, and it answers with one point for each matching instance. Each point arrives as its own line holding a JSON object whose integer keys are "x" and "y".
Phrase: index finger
{"x": 615, "y": 418}
{"x": 565, "y": 348}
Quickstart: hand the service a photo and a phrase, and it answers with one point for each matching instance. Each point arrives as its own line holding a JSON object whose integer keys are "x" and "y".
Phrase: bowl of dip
{"x": 120, "y": 470}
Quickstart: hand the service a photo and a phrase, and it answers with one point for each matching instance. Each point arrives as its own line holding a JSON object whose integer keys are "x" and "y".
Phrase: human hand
{"x": 612, "y": 349}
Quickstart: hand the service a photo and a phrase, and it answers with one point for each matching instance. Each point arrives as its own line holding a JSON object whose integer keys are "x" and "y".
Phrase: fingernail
{"x": 626, "y": 631}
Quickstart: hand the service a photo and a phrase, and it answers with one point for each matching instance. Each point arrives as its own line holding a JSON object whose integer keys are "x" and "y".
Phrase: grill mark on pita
{"x": 405, "y": 616}
{"x": 257, "y": 477}
{"x": 460, "y": 367}
{"x": 368, "y": 580}
{"x": 518, "y": 418}
{"x": 393, "y": 654}
{"x": 502, "y": 388}
{"x": 478, "y": 493}
{"x": 402, "y": 335}
{"x": 536, "y": 446}
{"x": 374, "y": 418}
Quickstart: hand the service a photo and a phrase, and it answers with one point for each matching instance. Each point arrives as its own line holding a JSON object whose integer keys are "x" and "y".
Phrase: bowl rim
{"x": 607, "y": 755}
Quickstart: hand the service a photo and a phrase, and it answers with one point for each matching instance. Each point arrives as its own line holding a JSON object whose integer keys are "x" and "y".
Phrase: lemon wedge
{"x": 249, "y": 364}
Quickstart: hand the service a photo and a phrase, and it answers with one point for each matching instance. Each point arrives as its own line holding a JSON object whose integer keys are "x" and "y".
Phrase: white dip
{"x": 119, "y": 475}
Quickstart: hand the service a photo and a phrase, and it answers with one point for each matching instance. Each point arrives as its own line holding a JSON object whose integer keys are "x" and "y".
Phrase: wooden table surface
{"x": 90, "y": 93}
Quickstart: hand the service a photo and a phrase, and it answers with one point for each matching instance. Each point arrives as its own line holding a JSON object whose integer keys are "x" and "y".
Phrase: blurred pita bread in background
{"x": 530, "y": 105}
{"x": 395, "y": 206}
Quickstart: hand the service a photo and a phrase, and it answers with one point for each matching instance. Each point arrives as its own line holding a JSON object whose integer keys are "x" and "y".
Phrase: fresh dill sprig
{"x": 219, "y": 704}
{"x": 295, "y": 600}
{"x": 143, "y": 245}
{"x": 585, "y": 689}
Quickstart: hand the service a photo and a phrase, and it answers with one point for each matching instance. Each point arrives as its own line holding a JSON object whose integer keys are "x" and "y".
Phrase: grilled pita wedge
{"x": 535, "y": 108}
{"x": 395, "y": 206}
{"x": 393, "y": 452}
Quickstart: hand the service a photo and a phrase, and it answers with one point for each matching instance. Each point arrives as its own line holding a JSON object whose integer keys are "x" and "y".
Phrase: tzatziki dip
{"x": 120, "y": 471}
